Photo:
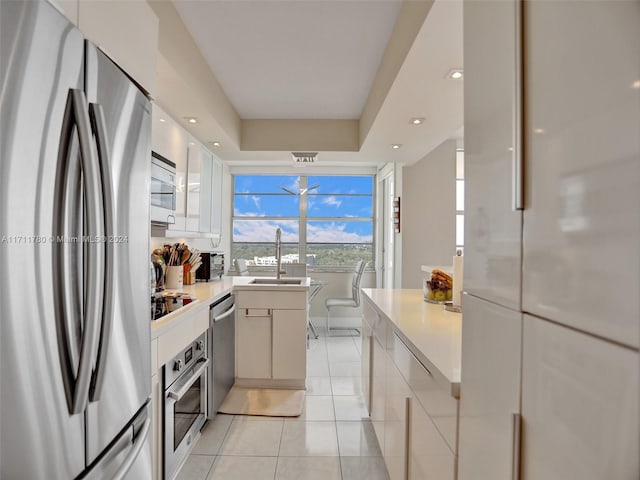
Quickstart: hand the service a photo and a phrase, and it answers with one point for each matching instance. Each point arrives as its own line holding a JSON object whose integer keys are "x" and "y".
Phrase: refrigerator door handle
{"x": 138, "y": 443}
{"x": 98, "y": 125}
{"x": 93, "y": 255}
{"x": 76, "y": 387}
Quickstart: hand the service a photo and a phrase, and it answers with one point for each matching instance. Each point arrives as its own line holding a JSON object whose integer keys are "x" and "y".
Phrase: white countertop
{"x": 432, "y": 334}
{"x": 205, "y": 293}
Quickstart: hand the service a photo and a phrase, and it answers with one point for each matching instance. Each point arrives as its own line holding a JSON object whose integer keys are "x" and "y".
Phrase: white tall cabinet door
{"x": 579, "y": 404}
{"x": 216, "y": 196}
{"x": 491, "y": 339}
{"x": 194, "y": 187}
{"x": 170, "y": 140}
{"x": 205, "y": 191}
{"x": 493, "y": 228}
{"x": 581, "y": 265}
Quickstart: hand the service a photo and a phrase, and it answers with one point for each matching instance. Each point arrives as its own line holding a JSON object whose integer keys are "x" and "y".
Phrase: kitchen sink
{"x": 277, "y": 281}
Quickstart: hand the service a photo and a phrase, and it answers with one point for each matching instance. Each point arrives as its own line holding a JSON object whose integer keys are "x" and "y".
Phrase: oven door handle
{"x": 178, "y": 393}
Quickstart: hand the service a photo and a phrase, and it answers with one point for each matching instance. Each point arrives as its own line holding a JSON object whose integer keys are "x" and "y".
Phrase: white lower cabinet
{"x": 429, "y": 454}
{"x": 378, "y": 390}
{"x": 289, "y": 352}
{"x": 271, "y": 341}
{"x": 253, "y": 354}
{"x": 366, "y": 348}
{"x": 579, "y": 405}
{"x": 414, "y": 419}
{"x": 396, "y": 422}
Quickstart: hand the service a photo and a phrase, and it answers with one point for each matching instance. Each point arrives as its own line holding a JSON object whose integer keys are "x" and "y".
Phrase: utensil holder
{"x": 175, "y": 277}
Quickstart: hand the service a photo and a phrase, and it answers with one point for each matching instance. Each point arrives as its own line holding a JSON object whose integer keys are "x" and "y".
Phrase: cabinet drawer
{"x": 184, "y": 332}
{"x": 436, "y": 400}
{"x": 271, "y": 299}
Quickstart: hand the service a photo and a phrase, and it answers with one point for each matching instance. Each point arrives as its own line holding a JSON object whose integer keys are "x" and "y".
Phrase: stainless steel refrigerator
{"x": 75, "y": 376}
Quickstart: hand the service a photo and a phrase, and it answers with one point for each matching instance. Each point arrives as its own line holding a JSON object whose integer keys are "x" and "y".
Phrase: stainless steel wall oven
{"x": 186, "y": 379}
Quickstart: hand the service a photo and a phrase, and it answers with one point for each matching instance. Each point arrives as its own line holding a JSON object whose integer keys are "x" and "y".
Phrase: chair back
{"x": 241, "y": 267}
{"x": 295, "y": 269}
{"x": 357, "y": 277}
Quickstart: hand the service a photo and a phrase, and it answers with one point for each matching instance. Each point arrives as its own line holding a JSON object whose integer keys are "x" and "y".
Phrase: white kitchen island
{"x": 271, "y": 333}
{"x": 411, "y": 354}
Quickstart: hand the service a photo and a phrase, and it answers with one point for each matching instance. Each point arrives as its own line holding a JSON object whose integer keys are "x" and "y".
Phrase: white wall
{"x": 428, "y": 213}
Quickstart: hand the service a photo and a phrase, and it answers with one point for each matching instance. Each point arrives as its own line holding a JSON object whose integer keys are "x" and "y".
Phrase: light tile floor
{"x": 333, "y": 439}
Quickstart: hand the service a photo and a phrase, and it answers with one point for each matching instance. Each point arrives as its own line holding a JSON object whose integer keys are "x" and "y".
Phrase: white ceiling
{"x": 292, "y": 59}
{"x": 318, "y": 59}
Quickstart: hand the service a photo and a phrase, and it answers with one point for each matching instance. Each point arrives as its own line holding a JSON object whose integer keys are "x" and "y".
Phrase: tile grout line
{"x": 335, "y": 417}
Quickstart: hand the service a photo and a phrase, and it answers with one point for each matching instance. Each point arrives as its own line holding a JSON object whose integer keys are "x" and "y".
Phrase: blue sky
{"x": 334, "y": 197}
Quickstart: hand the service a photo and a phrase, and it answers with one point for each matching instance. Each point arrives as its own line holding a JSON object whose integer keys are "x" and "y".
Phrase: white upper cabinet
{"x": 170, "y": 140}
{"x": 127, "y": 31}
{"x": 581, "y": 225}
{"x": 210, "y": 195}
{"x": 196, "y": 184}
{"x": 579, "y": 404}
{"x": 216, "y": 197}
{"x": 493, "y": 228}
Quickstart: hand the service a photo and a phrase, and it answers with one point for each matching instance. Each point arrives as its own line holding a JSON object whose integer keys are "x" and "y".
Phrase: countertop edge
{"x": 452, "y": 384}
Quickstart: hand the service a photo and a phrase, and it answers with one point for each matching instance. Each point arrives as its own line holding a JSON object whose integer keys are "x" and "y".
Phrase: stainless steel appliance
{"x": 222, "y": 338}
{"x": 74, "y": 295}
{"x": 163, "y": 190}
{"x": 163, "y": 303}
{"x": 185, "y": 402}
{"x": 212, "y": 266}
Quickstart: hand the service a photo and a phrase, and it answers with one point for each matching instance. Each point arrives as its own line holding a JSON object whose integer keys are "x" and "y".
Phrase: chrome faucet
{"x": 278, "y": 254}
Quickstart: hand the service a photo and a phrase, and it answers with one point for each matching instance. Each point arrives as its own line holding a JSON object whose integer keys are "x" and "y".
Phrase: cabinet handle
{"x": 371, "y": 340}
{"x": 407, "y": 437}
{"x": 517, "y": 164}
{"x": 262, "y": 315}
{"x": 516, "y": 431}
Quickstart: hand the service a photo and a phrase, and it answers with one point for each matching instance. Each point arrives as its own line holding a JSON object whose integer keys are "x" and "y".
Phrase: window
{"x": 325, "y": 219}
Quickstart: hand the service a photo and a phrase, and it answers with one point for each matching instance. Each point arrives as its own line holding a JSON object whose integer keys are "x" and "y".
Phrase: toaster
{"x": 212, "y": 266}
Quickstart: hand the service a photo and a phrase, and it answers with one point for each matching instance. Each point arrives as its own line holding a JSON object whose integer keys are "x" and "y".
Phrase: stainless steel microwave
{"x": 163, "y": 190}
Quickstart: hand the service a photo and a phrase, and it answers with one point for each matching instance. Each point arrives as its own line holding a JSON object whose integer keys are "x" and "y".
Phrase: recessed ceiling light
{"x": 636, "y": 84}
{"x": 417, "y": 121}
{"x": 455, "y": 73}
{"x": 216, "y": 144}
{"x": 395, "y": 146}
{"x": 162, "y": 120}
{"x": 191, "y": 119}
{"x": 539, "y": 130}
{"x": 191, "y": 144}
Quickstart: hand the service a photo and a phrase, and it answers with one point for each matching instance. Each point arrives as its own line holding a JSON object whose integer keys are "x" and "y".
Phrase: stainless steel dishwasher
{"x": 222, "y": 344}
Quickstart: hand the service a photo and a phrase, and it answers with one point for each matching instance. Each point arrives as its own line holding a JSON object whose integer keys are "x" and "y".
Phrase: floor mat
{"x": 269, "y": 402}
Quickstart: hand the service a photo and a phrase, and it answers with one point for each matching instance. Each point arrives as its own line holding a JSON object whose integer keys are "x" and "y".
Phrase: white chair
{"x": 295, "y": 269}
{"x": 241, "y": 267}
{"x": 353, "y": 302}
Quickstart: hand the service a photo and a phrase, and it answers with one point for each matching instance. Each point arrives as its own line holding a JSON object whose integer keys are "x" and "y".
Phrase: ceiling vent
{"x": 304, "y": 158}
